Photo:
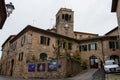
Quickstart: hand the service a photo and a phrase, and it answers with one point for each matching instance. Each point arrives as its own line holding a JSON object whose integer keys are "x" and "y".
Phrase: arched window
{"x": 63, "y": 16}
{"x": 66, "y": 17}
{"x": 43, "y": 56}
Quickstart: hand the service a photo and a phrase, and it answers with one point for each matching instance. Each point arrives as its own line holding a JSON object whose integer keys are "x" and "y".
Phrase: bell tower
{"x": 64, "y": 22}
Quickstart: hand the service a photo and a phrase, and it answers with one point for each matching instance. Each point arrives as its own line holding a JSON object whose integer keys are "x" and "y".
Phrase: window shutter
{"x": 48, "y": 41}
{"x": 117, "y": 45}
{"x": 80, "y": 48}
{"x": 69, "y": 46}
{"x": 41, "y": 39}
{"x": 109, "y": 44}
{"x": 64, "y": 44}
{"x": 95, "y": 46}
{"x": 89, "y": 47}
{"x": 85, "y": 47}
{"x": 58, "y": 43}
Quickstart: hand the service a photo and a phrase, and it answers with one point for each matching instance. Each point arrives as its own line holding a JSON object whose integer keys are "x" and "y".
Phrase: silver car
{"x": 111, "y": 66}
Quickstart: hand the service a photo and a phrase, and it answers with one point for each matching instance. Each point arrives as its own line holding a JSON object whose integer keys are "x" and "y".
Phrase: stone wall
{"x": 66, "y": 68}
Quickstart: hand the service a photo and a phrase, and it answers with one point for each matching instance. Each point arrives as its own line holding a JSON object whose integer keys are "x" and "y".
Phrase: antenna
{"x": 66, "y": 3}
{"x": 34, "y": 21}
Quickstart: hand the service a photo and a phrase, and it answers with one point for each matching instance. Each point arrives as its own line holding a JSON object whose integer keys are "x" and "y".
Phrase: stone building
{"x": 33, "y": 45}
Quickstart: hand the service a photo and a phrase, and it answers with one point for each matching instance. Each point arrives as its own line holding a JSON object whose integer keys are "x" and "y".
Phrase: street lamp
{"x": 9, "y": 8}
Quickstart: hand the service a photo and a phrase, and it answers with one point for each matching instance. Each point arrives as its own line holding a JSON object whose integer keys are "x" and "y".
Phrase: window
{"x": 61, "y": 44}
{"x": 20, "y": 58}
{"x": 113, "y": 44}
{"x": 87, "y": 47}
{"x": 44, "y": 40}
{"x": 43, "y": 56}
{"x": 80, "y": 36}
{"x": 63, "y": 16}
{"x": 83, "y": 48}
{"x": 92, "y": 46}
{"x": 66, "y": 17}
{"x": 13, "y": 46}
{"x": 23, "y": 40}
{"x": 64, "y": 45}
{"x": 69, "y": 17}
{"x": 89, "y": 36}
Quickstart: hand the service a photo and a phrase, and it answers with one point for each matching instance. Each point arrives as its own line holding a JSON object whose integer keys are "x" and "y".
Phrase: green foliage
{"x": 83, "y": 64}
{"x": 78, "y": 59}
{"x": 67, "y": 54}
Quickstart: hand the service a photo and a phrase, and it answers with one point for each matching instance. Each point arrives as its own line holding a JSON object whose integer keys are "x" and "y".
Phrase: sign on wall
{"x": 31, "y": 67}
{"x": 41, "y": 67}
{"x": 52, "y": 66}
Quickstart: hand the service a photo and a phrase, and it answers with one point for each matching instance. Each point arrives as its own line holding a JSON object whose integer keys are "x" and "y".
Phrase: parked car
{"x": 111, "y": 66}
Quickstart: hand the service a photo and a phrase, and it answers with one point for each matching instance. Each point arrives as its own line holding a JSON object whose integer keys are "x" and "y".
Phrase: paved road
{"x": 113, "y": 76}
{"x": 86, "y": 75}
{"x": 99, "y": 75}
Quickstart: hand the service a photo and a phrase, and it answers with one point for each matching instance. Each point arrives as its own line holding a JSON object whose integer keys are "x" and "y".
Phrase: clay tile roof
{"x": 29, "y": 27}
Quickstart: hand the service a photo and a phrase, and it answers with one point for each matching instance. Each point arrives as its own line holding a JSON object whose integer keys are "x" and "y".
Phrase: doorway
{"x": 93, "y": 62}
{"x": 115, "y": 58}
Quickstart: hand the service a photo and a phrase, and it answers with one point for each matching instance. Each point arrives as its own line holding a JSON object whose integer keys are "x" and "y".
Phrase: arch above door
{"x": 93, "y": 62}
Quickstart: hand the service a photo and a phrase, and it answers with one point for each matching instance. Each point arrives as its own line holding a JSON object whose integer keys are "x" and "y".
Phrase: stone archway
{"x": 93, "y": 62}
{"x": 115, "y": 57}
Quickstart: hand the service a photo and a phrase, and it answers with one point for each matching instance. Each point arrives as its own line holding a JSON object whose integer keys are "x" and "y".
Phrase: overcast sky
{"x": 92, "y": 16}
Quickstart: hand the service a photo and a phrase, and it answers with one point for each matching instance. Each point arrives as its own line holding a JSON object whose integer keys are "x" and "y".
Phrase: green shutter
{"x": 41, "y": 39}
{"x": 58, "y": 42}
{"x": 85, "y": 47}
{"x": 80, "y": 48}
{"x": 109, "y": 44}
{"x": 95, "y": 46}
{"x": 89, "y": 47}
{"x": 64, "y": 44}
{"x": 117, "y": 45}
{"x": 69, "y": 46}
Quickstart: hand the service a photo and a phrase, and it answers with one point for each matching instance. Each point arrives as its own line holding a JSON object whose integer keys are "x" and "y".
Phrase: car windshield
{"x": 109, "y": 63}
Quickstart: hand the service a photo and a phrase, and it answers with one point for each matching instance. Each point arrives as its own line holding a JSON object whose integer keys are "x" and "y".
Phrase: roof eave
{"x": 114, "y": 5}
{"x": 3, "y": 14}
